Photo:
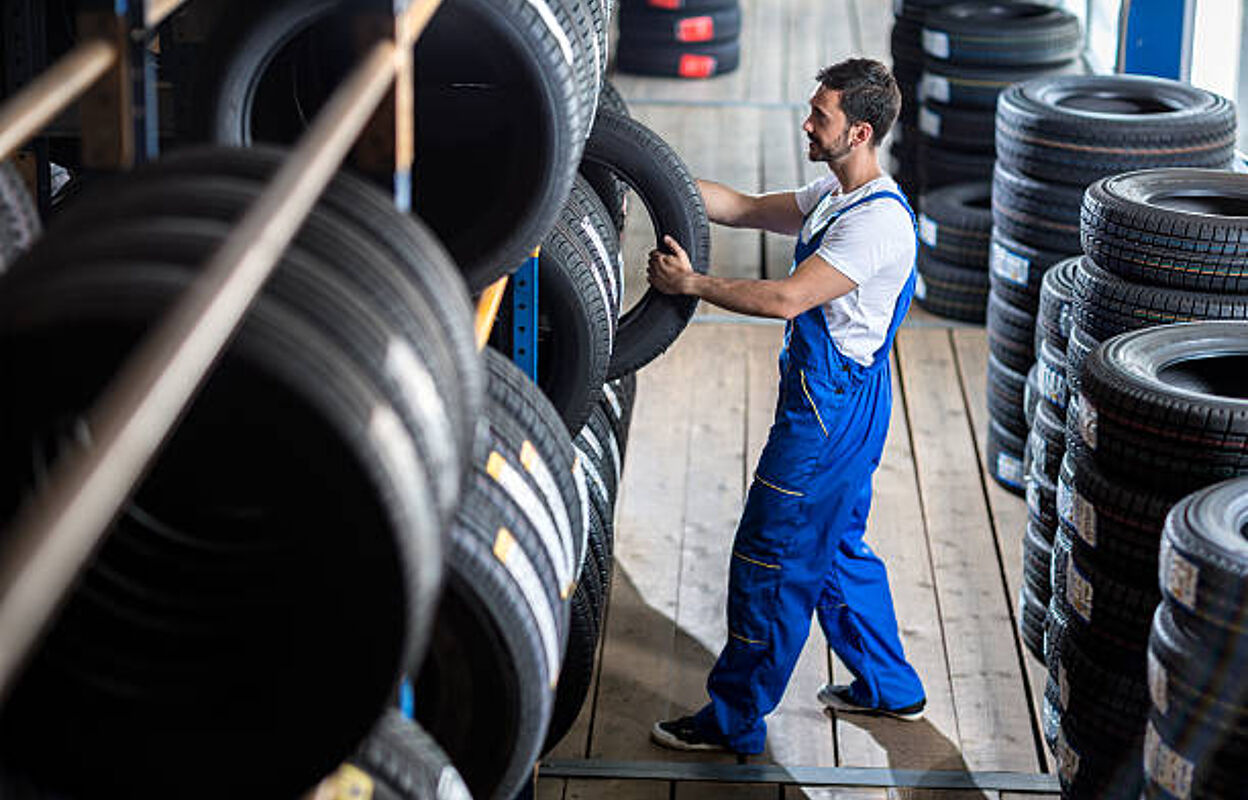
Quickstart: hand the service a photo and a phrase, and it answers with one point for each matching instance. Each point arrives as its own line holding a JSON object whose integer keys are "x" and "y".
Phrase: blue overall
{"x": 799, "y": 546}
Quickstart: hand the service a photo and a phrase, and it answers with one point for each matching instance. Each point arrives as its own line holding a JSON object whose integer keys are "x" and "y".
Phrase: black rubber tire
{"x": 636, "y": 155}
{"x": 1005, "y": 458}
{"x": 1113, "y": 522}
{"x": 1041, "y": 501}
{"x": 1005, "y": 396}
{"x": 519, "y": 415}
{"x": 1051, "y": 376}
{"x": 1055, "y": 316}
{"x": 1204, "y": 564}
{"x": 577, "y": 673}
{"x": 19, "y": 217}
{"x": 1037, "y": 213}
{"x": 1076, "y": 129}
{"x": 1031, "y": 398}
{"x": 1011, "y": 333}
{"x": 680, "y": 27}
{"x": 1079, "y": 346}
{"x": 419, "y": 256}
{"x": 1199, "y": 708}
{"x": 1031, "y": 621}
{"x": 969, "y": 86}
{"x": 1037, "y": 558}
{"x": 424, "y": 376}
{"x": 617, "y": 399}
{"x": 601, "y": 492}
{"x": 610, "y": 190}
{"x": 956, "y": 223}
{"x": 1016, "y": 270}
{"x": 218, "y": 705}
{"x": 694, "y": 61}
{"x": 957, "y": 128}
{"x": 950, "y": 290}
{"x": 1167, "y": 406}
{"x": 525, "y": 153}
{"x": 1046, "y": 443}
{"x": 1180, "y": 228}
{"x": 405, "y": 763}
{"x": 1001, "y": 34}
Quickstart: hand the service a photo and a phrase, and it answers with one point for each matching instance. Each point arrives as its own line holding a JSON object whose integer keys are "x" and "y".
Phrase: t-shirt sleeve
{"x": 868, "y": 239}
{"x": 809, "y": 195}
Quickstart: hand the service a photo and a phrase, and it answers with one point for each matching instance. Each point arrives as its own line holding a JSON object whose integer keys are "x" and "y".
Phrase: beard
{"x": 832, "y": 154}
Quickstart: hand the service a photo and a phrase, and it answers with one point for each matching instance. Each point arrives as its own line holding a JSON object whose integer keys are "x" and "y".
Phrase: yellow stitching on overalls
{"x": 753, "y": 561}
{"x": 810, "y": 400}
{"x": 739, "y": 637}
{"x": 768, "y": 483}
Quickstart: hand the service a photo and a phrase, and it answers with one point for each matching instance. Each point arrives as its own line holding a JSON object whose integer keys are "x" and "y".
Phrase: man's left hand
{"x": 670, "y": 272}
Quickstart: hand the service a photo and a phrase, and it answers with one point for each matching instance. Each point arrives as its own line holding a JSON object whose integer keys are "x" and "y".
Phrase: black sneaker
{"x": 838, "y": 698}
{"x": 685, "y": 734}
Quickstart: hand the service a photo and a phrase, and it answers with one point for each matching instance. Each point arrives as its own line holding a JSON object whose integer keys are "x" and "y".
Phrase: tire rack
{"x": 52, "y": 537}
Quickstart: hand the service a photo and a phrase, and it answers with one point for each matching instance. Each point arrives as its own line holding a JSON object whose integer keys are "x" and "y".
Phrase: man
{"x": 798, "y": 548}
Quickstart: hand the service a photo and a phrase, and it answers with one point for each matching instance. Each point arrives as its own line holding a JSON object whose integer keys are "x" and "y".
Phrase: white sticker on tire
{"x": 509, "y": 553}
{"x": 1180, "y": 576}
{"x": 920, "y": 287}
{"x": 1065, "y": 502}
{"x": 1053, "y": 385}
{"x": 929, "y": 122}
{"x": 927, "y": 230}
{"x": 936, "y": 43}
{"x": 1165, "y": 767}
{"x": 1039, "y": 449}
{"x": 1033, "y": 498}
{"x": 1157, "y": 685}
{"x": 1078, "y": 590}
{"x": 1010, "y": 469}
{"x": 1008, "y": 265}
{"x": 1063, "y": 686}
{"x": 1085, "y": 519}
{"x": 1087, "y": 422}
{"x": 934, "y": 87}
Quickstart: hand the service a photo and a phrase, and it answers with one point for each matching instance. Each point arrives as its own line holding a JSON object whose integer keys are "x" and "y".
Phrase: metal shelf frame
{"x": 52, "y": 537}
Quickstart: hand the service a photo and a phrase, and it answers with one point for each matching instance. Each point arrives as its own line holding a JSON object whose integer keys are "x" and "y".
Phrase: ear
{"x": 861, "y": 133}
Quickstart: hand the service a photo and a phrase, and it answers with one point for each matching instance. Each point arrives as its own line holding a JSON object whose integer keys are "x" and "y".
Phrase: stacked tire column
{"x": 679, "y": 38}
{"x": 1054, "y": 136}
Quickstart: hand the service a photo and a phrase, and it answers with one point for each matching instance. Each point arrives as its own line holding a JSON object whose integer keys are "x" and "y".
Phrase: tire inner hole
{"x": 1218, "y": 375}
{"x": 1203, "y": 203}
{"x": 1114, "y": 103}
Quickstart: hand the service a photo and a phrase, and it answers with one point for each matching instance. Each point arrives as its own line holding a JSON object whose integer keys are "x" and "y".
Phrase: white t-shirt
{"x": 874, "y": 246}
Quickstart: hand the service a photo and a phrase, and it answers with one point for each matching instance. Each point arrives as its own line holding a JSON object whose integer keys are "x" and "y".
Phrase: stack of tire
{"x": 303, "y": 499}
{"x": 972, "y": 52}
{"x": 906, "y": 48}
{"x": 19, "y": 218}
{"x": 954, "y": 228}
{"x": 1197, "y": 735}
{"x": 1055, "y": 136}
{"x": 1045, "y": 402}
{"x": 679, "y": 38}
{"x": 1153, "y": 414}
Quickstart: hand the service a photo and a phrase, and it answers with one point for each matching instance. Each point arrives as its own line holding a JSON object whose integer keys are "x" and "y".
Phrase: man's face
{"x": 827, "y": 129}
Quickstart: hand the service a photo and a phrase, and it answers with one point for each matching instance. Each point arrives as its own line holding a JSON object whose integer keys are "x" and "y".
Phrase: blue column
{"x": 1155, "y": 38}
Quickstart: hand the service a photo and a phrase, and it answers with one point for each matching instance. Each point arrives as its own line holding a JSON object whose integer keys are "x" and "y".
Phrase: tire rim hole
{"x": 1217, "y": 375}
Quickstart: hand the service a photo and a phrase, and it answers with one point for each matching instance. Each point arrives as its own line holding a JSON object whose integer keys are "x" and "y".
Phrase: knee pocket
{"x": 753, "y": 599}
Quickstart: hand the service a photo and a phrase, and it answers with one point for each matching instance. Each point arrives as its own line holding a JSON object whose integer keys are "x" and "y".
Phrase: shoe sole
{"x": 665, "y": 739}
{"x": 838, "y": 705}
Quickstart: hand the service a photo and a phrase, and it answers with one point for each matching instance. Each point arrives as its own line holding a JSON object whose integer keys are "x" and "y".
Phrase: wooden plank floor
{"x": 950, "y": 536}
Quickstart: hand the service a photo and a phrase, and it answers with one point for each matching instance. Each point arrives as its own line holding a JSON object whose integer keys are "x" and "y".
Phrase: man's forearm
{"x": 759, "y": 298}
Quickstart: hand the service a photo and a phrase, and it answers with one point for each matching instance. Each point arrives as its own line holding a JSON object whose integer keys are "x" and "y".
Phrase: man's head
{"x": 855, "y": 105}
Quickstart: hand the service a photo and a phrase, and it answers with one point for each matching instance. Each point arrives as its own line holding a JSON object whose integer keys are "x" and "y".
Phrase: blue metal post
{"x": 524, "y": 317}
{"x": 144, "y": 101}
{"x": 1155, "y": 38}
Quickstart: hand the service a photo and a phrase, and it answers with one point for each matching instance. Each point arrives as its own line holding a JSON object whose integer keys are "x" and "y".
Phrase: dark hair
{"x": 869, "y": 93}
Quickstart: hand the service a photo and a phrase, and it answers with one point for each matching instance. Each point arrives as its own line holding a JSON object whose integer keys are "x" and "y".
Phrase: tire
{"x": 1078, "y": 347}
{"x": 1077, "y": 129}
{"x": 1031, "y": 399}
{"x": 1036, "y": 213}
{"x": 652, "y": 169}
{"x": 461, "y": 144}
{"x": 1001, "y": 34}
{"x": 19, "y": 217}
{"x": 205, "y": 691}
{"x": 957, "y": 128}
{"x": 1054, "y": 318}
{"x": 1051, "y": 375}
{"x": 617, "y": 399}
{"x": 1005, "y": 458}
{"x": 1179, "y": 228}
{"x": 1005, "y": 396}
{"x": 610, "y": 191}
{"x": 1017, "y": 270}
{"x": 1112, "y": 522}
{"x": 1031, "y": 617}
{"x": 1046, "y": 443}
{"x": 1037, "y": 556}
{"x": 1166, "y": 406}
{"x": 956, "y": 223}
{"x": 680, "y": 27}
{"x": 1041, "y": 500}
{"x": 405, "y": 763}
{"x": 676, "y": 5}
{"x": 577, "y": 672}
{"x": 949, "y": 290}
{"x": 700, "y": 60}
{"x": 1011, "y": 331}
{"x": 1204, "y": 563}
{"x": 978, "y": 86}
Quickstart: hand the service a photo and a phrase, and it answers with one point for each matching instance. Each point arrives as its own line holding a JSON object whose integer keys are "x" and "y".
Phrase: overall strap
{"x": 907, "y": 291}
